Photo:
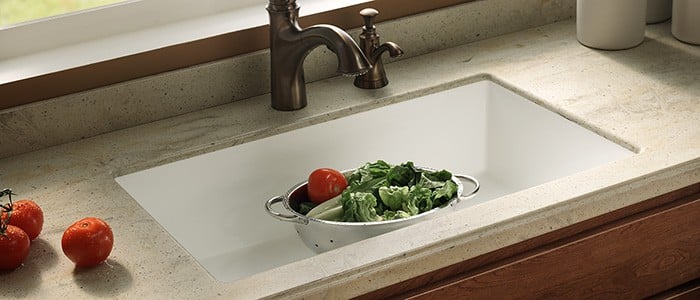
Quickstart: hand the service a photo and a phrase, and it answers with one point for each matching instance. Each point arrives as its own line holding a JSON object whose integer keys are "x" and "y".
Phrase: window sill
{"x": 104, "y": 61}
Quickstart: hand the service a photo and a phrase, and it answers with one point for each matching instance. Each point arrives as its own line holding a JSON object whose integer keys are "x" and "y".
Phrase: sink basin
{"x": 481, "y": 129}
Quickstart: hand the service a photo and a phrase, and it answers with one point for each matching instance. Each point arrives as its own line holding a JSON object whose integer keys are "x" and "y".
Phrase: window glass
{"x": 18, "y": 11}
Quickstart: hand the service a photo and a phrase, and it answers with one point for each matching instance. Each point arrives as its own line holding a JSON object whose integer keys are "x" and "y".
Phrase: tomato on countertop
{"x": 87, "y": 242}
{"x": 14, "y": 241}
{"x": 324, "y": 184}
{"x": 28, "y": 216}
{"x": 14, "y": 247}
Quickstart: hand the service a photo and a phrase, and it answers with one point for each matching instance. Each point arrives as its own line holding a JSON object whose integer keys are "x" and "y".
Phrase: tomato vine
{"x": 6, "y": 208}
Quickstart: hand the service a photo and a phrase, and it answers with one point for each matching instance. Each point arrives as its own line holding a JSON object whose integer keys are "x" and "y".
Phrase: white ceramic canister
{"x": 611, "y": 24}
{"x": 658, "y": 10}
{"x": 686, "y": 21}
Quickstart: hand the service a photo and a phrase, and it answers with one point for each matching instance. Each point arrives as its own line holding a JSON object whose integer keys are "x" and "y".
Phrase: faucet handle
{"x": 369, "y": 14}
{"x": 369, "y": 43}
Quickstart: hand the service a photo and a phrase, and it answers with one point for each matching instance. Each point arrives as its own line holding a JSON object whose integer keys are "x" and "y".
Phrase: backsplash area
{"x": 82, "y": 115}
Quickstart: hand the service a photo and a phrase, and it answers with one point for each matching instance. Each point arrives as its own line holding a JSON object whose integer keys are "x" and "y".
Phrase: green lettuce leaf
{"x": 422, "y": 197}
{"x": 444, "y": 193}
{"x": 393, "y": 215}
{"x": 442, "y": 175}
{"x": 397, "y": 198}
{"x": 402, "y": 175}
{"x": 369, "y": 171}
{"x": 359, "y": 207}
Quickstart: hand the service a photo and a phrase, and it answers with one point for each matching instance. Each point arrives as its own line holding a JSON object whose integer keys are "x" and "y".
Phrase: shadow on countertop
{"x": 23, "y": 281}
{"x": 107, "y": 279}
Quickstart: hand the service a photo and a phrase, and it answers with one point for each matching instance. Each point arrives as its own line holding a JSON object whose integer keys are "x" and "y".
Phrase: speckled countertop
{"x": 646, "y": 98}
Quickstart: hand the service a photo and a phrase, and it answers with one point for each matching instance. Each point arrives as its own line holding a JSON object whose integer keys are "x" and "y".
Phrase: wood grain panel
{"x": 687, "y": 291}
{"x": 633, "y": 260}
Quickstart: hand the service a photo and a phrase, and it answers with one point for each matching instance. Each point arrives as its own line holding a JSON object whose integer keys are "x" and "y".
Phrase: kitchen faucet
{"x": 289, "y": 46}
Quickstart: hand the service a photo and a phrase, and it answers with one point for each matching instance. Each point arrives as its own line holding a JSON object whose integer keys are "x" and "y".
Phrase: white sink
{"x": 481, "y": 129}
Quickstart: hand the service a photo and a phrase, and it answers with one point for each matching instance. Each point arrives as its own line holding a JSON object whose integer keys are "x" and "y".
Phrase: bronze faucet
{"x": 369, "y": 43}
{"x": 289, "y": 46}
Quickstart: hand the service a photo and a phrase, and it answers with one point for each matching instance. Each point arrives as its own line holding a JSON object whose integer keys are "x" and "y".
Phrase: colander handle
{"x": 472, "y": 180}
{"x": 281, "y": 216}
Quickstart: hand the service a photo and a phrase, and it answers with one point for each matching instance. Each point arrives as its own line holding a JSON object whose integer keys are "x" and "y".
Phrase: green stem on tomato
{"x": 6, "y": 208}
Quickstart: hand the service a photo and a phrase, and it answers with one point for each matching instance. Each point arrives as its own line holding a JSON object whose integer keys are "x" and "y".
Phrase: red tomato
{"x": 14, "y": 247}
{"x": 87, "y": 242}
{"x": 325, "y": 184}
{"x": 26, "y": 214}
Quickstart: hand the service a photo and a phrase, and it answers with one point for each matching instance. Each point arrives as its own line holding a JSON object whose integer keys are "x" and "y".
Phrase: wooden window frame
{"x": 81, "y": 78}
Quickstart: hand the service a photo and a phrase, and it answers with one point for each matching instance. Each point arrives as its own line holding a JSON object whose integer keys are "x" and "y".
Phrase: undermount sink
{"x": 481, "y": 129}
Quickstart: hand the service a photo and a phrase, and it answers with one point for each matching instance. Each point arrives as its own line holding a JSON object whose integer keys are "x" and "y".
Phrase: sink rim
{"x": 301, "y": 119}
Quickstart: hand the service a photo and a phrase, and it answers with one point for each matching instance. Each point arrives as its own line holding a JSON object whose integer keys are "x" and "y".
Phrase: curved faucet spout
{"x": 289, "y": 46}
{"x": 351, "y": 60}
{"x": 393, "y": 49}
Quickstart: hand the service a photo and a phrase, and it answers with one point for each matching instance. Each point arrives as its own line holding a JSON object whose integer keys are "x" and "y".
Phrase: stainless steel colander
{"x": 322, "y": 235}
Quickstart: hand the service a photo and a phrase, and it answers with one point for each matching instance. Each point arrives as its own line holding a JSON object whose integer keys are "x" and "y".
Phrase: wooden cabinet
{"x": 651, "y": 249}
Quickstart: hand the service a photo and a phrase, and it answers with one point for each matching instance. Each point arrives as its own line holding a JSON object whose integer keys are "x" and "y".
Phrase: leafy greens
{"x": 379, "y": 191}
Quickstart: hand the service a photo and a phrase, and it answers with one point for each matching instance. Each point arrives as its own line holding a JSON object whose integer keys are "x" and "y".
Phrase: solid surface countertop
{"x": 646, "y": 98}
